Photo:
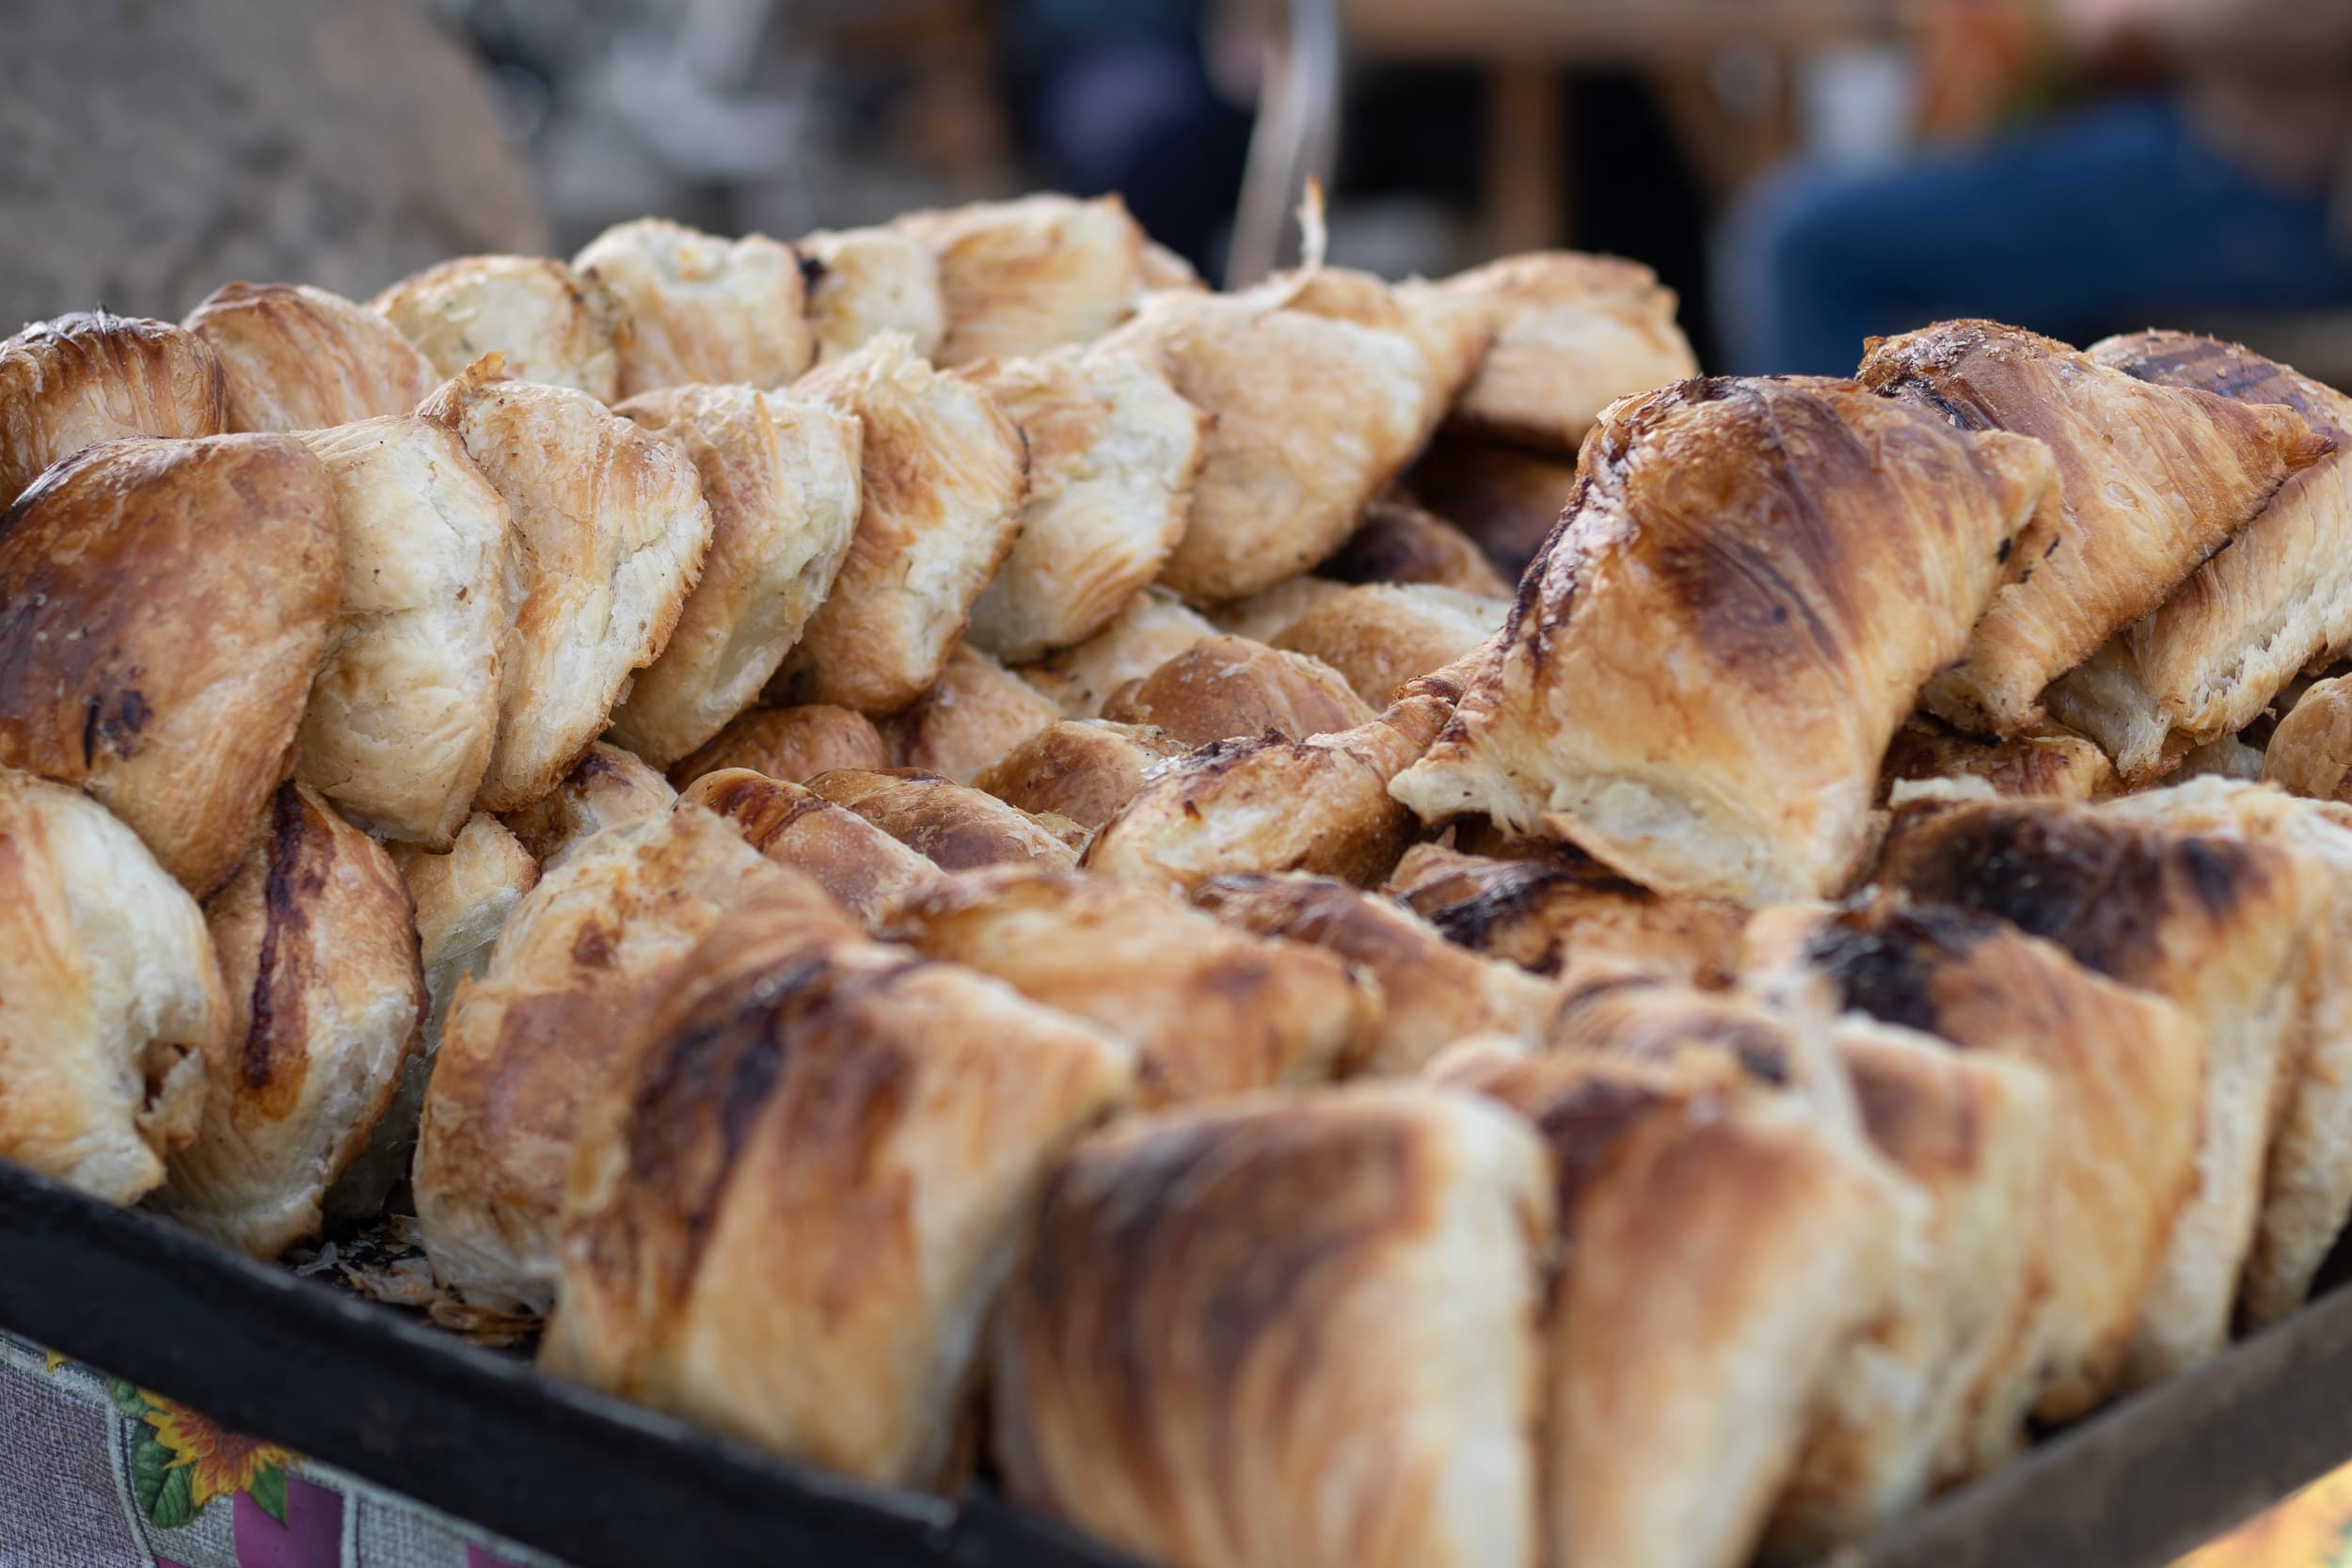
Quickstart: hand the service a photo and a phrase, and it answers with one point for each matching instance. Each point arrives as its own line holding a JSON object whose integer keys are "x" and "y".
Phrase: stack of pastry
{"x": 955, "y": 854}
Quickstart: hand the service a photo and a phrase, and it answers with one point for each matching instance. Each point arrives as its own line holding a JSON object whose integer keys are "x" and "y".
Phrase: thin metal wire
{"x": 1295, "y": 139}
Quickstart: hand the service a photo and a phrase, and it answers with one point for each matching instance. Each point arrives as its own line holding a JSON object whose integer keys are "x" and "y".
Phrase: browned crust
{"x": 89, "y": 377}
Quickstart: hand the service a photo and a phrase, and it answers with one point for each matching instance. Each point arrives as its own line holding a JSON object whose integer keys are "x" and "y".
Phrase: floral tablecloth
{"x": 95, "y": 1473}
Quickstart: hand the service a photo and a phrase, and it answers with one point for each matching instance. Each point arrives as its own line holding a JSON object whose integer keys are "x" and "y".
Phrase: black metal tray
{"x": 604, "y": 1484}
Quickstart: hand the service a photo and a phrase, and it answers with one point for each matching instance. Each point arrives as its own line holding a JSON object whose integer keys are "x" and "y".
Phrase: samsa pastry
{"x": 1223, "y": 688}
{"x": 1737, "y": 604}
{"x": 1399, "y": 542}
{"x": 1148, "y": 632}
{"x": 606, "y": 787}
{"x": 2208, "y": 921}
{"x": 1312, "y": 417}
{"x": 1504, "y": 496}
{"x": 2045, "y": 761}
{"x": 550, "y": 326}
{"x": 1208, "y": 1008}
{"x": 318, "y": 956}
{"x": 2125, "y": 1069}
{"x": 1451, "y": 333}
{"x": 1435, "y": 993}
{"x": 781, "y": 476}
{"x": 794, "y": 744}
{"x": 943, "y": 473}
{"x": 974, "y": 713}
{"x": 2306, "y": 1188}
{"x": 295, "y": 357}
{"x": 1382, "y": 635}
{"x": 462, "y": 897}
{"x": 1323, "y": 1312}
{"x": 791, "y": 1218}
{"x": 1559, "y": 916}
{"x": 529, "y": 1045}
{"x": 2311, "y": 751}
{"x": 1086, "y": 769}
{"x": 1681, "y": 1382}
{"x": 953, "y": 826}
{"x": 700, "y": 309}
{"x": 1112, "y": 454}
{"x": 72, "y": 382}
{"x": 863, "y": 869}
{"x": 166, "y": 604}
{"x": 864, "y": 282}
{"x": 2151, "y": 481}
{"x": 1273, "y": 803}
{"x": 609, "y": 531}
{"x": 110, "y": 1000}
{"x": 1572, "y": 334}
{"x": 2204, "y": 663}
{"x": 1026, "y": 276}
{"x": 1267, "y": 614}
{"x": 405, "y": 709}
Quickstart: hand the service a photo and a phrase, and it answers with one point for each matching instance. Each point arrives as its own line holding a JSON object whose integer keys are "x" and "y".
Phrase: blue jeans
{"x": 2085, "y": 225}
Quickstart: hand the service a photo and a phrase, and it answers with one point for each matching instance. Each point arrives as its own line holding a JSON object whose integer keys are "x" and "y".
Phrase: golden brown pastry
{"x": 1572, "y": 334}
{"x": 2204, "y": 920}
{"x": 295, "y": 357}
{"x": 953, "y": 826}
{"x": 697, "y": 308}
{"x": 1312, "y": 417}
{"x": 609, "y": 531}
{"x": 1399, "y": 542}
{"x": 1273, "y": 803}
{"x": 781, "y": 477}
{"x": 2125, "y": 1069}
{"x": 864, "y": 282}
{"x": 2152, "y": 480}
{"x": 1152, "y": 628}
{"x": 606, "y": 787}
{"x": 792, "y": 1218}
{"x": 1209, "y": 1010}
{"x": 866, "y": 871}
{"x": 1026, "y": 276}
{"x": 462, "y": 897}
{"x": 2205, "y": 662}
{"x": 1682, "y": 1380}
{"x": 110, "y": 1001}
{"x": 974, "y": 713}
{"x": 943, "y": 474}
{"x": 1504, "y": 496}
{"x": 529, "y": 1046}
{"x": 2306, "y": 1186}
{"x": 405, "y": 709}
{"x": 165, "y": 604}
{"x": 318, "y": 954}
{"x": 2311, "y": 751}
{"x": 1085, "y": 769}
{"x": 794, "y": 744}
{"x": 1321, "y": 1310}
{"x": 1223, "y": 688}
{"x": 89, "y": 377}
{"x": 1267, "y": 614}
{"x": 1556, "y": 916}
{"x": 1436, "y": 993}
{"x": 2048, "y": 761}
{"x": 552, "y": 325}
{"x": 1737, "y": 603}
{"x": 1451, "y": 332}
{"x": 1112, "y": 454}
{"x": 1382, "y": 635}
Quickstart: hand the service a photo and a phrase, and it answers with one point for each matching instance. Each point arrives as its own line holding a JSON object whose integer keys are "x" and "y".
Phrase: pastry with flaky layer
{"x": 549, "y": 324}
{"x": 700, "y": 309}
{"x": 1724, "y": 566}
{"x": 295, "y": 357}
{"x": 89, "y": 377}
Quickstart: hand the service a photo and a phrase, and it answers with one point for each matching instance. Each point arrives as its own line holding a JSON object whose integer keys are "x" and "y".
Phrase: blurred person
{"x": 2231, "y": 189}
{"x": 1118, "y": 95}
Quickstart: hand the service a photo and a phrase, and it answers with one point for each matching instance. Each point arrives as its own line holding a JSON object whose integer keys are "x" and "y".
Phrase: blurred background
{"x": 1803, "y": 171}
